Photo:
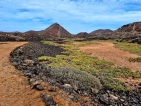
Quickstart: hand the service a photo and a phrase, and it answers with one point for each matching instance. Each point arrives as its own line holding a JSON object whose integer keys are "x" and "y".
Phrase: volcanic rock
{"x": 48, "y": 100}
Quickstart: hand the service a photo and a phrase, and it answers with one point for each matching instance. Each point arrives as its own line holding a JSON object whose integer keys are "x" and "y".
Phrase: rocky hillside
{"x": 132, "y": 27}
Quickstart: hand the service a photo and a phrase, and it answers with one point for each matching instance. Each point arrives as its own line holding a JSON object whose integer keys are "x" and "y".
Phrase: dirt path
{"x": 107, "y": 51}
{"x": 14, "y": 89}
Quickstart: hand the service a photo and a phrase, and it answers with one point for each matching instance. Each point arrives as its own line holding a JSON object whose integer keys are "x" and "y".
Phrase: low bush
{"x": 130, "y": 47}
{"x": 138, "y": 59}
{"x": 76, "y": 78}
{"x": 113, "y": 84}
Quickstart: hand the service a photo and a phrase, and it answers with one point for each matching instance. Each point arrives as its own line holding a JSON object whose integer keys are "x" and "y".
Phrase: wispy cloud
{"x": 74, "y": 15}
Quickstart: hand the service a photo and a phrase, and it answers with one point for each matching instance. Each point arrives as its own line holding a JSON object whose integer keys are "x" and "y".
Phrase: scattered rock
{"x": 20, "y": 51}
{"x": 27, "y": 61}
{"x": 29, "y": 75}
{"x": 48, "y": 100}
{"x": 93, "y": 90}
{"x": 15, "y": 63}
{"x": 75, "y": 87}
{"x": 38, "y": 87}
{"x": 139, "y": 84}
{"x": 67, "y": 86}
{"x": 35, "y": 84}
{"x": 52, "y": 88}
{"x": 113, "y": 97}
{"x": 105, "y": 99}
{"x": 122, "y": 100}
{"x": 32, "y": 81}
{"x": 71, "y": 96}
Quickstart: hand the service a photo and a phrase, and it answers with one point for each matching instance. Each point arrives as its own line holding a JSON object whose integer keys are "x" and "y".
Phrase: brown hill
{"x": 55, "y": 30}
{"x": 132, "y": 27}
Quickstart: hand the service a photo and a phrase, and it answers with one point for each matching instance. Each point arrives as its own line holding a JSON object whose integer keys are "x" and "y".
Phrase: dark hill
{"x": 82, "y": 35}
{"x": 132, "y": 27}
{"x": 100, "y": 32}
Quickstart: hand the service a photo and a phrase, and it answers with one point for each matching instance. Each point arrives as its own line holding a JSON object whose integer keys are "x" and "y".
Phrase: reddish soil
{"x": 107, "y": 51}
{"x": 14, "y": 87}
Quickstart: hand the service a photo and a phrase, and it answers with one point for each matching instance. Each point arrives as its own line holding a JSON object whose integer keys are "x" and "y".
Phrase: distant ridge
{"x": 129, "y": 32}
{"x": 101, "y": 31}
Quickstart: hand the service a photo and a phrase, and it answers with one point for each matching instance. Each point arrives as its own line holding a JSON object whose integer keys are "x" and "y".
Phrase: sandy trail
{"x": 107, "y": 51}
{"x": 14, "y": 89}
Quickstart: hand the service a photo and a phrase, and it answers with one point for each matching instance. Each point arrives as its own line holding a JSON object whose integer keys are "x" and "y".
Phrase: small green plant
{"x": 130, "y": 47}
{"x": 138, "y": 59}
{"x": 42, "y": 58}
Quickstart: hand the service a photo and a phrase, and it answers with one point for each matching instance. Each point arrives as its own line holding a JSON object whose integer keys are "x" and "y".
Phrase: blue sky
{"x": 75, "y": 15}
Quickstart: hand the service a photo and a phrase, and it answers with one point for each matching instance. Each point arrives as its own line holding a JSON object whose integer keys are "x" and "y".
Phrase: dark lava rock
{"x": 104, "y": 99}
{"x": 48, "y": 100}
{"x": 35, "y": 84}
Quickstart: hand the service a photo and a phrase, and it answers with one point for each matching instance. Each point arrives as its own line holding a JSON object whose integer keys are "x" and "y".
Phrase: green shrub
{"x": 113, "y": 84}
{"x": 82, "y": 80}
{"x": 138, "y": 59}
{"x": 130, "y": 47}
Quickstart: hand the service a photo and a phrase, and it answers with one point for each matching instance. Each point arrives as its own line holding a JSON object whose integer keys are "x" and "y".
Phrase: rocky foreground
{"x": 25, "y": 58}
